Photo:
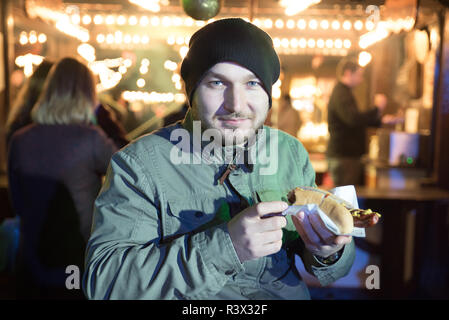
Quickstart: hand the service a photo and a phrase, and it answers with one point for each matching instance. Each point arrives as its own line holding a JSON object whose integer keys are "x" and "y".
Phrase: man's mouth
{"x": 233, "y": 121}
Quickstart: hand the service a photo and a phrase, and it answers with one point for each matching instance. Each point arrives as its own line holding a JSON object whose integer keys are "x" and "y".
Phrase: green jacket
{"x": 160, "y": 227}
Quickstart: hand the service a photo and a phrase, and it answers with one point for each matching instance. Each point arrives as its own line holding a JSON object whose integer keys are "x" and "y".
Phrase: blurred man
{"x": 347, "y": 125}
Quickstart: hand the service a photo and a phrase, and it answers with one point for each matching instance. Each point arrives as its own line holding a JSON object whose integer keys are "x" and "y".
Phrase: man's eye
{"x": 216, "y": 83}
{"x": 253, "y": 83}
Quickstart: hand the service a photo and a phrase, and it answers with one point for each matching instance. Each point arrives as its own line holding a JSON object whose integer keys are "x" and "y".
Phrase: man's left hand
{"x": 317, "y": 238}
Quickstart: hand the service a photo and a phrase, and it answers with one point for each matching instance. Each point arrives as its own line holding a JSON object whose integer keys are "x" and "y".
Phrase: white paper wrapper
{"x": 347, "y": 194}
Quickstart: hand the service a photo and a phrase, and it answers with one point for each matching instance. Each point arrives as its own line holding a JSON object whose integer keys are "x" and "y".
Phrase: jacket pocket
{"x": 191, "y": 215}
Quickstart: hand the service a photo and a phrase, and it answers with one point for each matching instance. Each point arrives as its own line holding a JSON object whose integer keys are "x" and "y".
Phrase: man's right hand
{"x": 380, "y": 101}
{"x": 253, "y": 236}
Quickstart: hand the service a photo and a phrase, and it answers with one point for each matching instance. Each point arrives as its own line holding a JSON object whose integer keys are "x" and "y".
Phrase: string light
{"x": 110, "y": 20}
{"x": 364, "y": 58}
{"x": 32, "y": 38}
{"x": 153, "y": 97}
{"x": 358, "y": 25}
{"x": 86, "y": 51}
{"x": 121, "y": 20}
{"x": 86, "y": 19}
{"x": 73, "y": 30}
{"x": 27, "y": 62}
{"x": 140, "y": 82}
{"x": 376, "y": 35}
{"x": 151, "y": 5}
{"x": 108, "y": 77}
{"x": 324, "y": 24}
{"x": 301, "y": 24}
{"x": 293, "y": 7}
{"x": 336, "y": 25}
{"x": 98, "y": 19}
{"x": 170, "y": 65}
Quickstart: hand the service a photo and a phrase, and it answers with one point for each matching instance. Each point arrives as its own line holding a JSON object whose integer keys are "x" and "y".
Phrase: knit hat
{"x": 230, "y": 40}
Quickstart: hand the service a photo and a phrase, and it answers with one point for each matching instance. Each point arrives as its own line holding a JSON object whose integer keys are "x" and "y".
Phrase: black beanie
{"x": 230, "y": 40}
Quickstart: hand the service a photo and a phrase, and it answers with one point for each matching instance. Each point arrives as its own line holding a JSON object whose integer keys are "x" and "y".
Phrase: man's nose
{"x": 235, "y": 99}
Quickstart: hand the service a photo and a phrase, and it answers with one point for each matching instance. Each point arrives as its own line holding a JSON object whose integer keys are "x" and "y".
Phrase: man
{"x": 176, "y": 222}
{"x": 347, "y": 125}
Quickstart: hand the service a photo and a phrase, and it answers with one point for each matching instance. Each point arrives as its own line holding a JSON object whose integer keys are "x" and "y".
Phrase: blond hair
{"x": 68, "y": 96}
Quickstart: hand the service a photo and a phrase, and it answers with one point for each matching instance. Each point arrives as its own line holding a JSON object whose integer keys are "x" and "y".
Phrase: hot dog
{"x": 338, "y": 210}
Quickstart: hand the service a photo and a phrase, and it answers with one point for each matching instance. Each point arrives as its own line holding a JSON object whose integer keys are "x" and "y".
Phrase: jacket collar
{"x": 227, "y": 154}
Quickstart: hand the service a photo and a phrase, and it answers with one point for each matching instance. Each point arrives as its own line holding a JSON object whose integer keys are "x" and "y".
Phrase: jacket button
{"x": 199, "y": 214}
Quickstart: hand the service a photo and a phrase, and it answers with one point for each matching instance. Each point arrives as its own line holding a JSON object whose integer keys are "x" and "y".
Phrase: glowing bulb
{"x": 155, "y": 21}
{"x": 313, "y": 24}
{"x": 42, "y": 38}
{"x": 23, "y": 39}
{"x": 358, "y": 25}
{"x": 86, "y": 19}
{"x": 32, "y": 37}
{"x": 100, "y": 38}
{"x": 279, "y": 23}
{"x": 268, "y": 23}
{"x": 76, "y": 19}
{"x": 98, "y": 19}
{"x": 140, "y": 82}
{"x": 335, "y": 25}
{"x": 143, "y": 69}
{"x": 364, "y": 58}
{"x": 311, "y": 43}
{"x": 145, "y": 39}
{"x": 301, "y": 24}
{"x": 121, "y": 20}
{"x": 338, "y": 43}
{"x": 144, "y": 21}
{"x": 132, "y": 20}
{"x": 183, "y": 51}
{"x": 110, "y": 20}
{"x": 324, "y": 24}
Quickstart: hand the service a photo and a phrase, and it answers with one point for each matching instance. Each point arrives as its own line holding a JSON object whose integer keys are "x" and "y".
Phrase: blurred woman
{"x": 55, "y": 169}
{"x": 20, "y": 114}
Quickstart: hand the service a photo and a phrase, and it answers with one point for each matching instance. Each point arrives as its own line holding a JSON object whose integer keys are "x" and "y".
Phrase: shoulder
{"x": 156, "y": 140}
{"x": 285, "y": 139}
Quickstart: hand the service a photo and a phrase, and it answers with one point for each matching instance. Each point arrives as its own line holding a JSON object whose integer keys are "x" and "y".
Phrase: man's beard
{"x": 233, "y": 136}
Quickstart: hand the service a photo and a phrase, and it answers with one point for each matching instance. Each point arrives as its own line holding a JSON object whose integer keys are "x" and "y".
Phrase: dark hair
{"x": 20, "y": 113}
{"x": 347, "y": 64}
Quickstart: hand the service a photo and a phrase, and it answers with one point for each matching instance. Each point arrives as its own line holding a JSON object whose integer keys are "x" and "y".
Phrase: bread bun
{"x": 327, "y": 202}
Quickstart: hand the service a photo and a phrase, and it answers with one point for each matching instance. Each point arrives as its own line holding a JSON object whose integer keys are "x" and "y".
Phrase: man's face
{"x": 357, "y": 77}
{"x": 230, "y": 99}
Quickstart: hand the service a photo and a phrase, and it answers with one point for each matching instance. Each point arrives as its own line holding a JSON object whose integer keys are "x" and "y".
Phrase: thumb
{"x": 264, "y": 208}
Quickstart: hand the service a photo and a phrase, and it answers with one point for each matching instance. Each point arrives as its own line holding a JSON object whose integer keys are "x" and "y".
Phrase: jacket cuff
{"x": 326, "y": 274}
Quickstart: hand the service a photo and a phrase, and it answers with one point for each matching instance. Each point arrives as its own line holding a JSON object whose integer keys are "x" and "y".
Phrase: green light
{"x": 409, "y": 160}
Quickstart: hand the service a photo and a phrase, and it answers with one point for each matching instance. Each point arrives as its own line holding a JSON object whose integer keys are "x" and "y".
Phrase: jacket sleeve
{"x": 347, "y": 110}
{"x": 325, "y": 274}
{"x": 125, "y": 257}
